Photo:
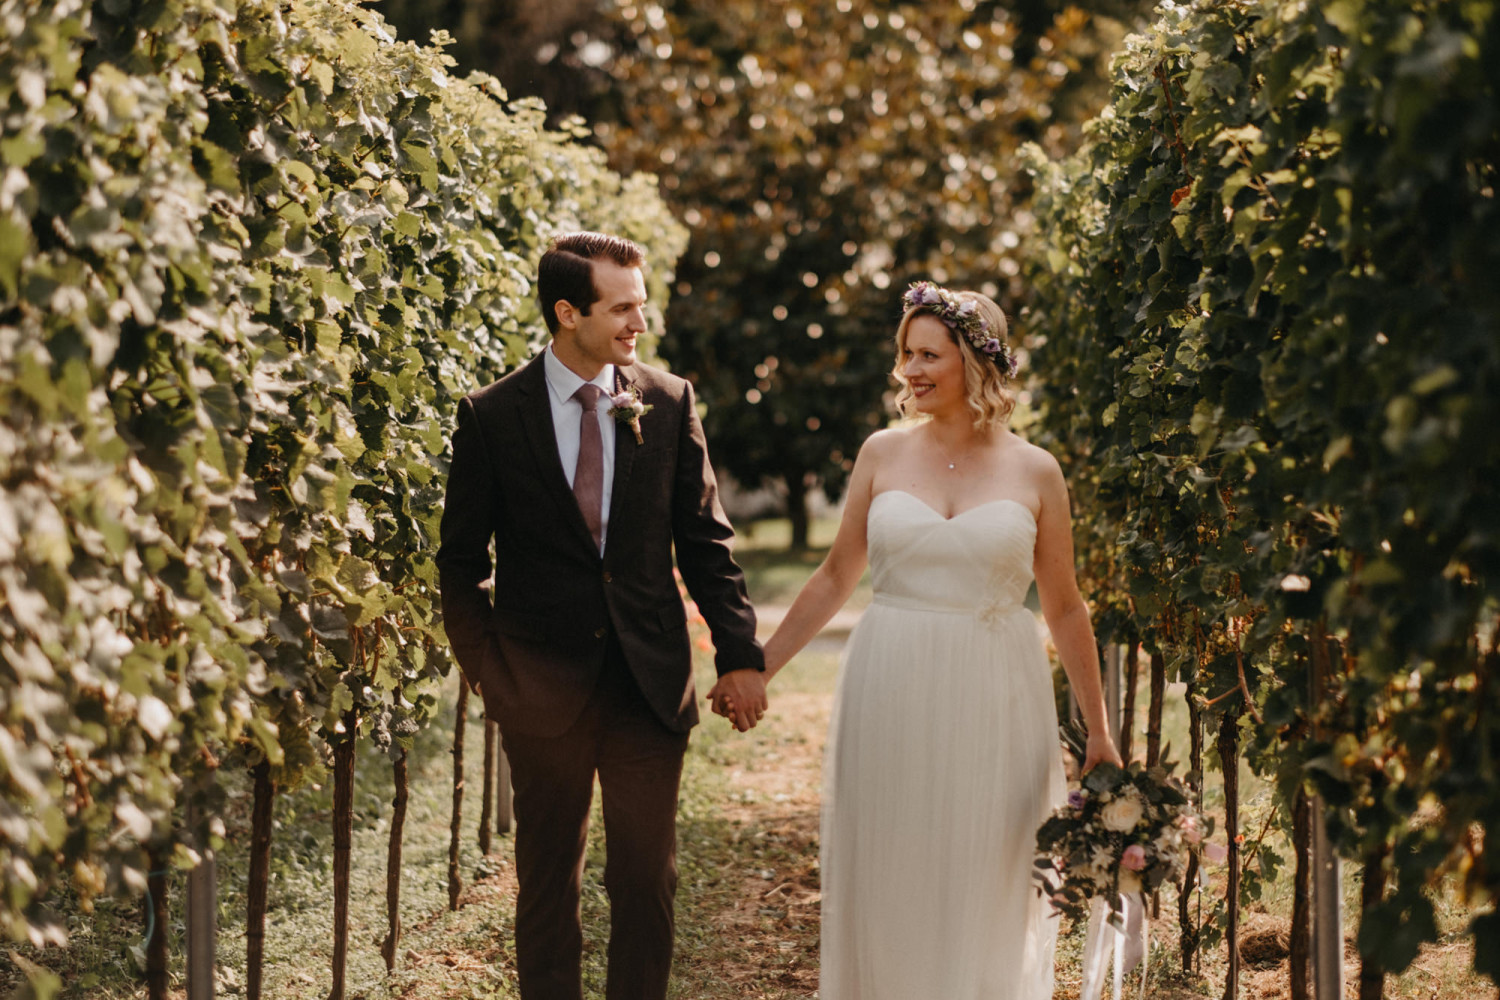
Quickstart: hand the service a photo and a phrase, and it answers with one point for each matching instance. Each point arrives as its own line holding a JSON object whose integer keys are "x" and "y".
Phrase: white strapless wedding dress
{"x": 942, "y": 761}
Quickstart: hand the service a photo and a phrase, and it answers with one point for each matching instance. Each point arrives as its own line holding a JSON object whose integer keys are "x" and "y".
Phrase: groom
{"x": 587, "y": 469}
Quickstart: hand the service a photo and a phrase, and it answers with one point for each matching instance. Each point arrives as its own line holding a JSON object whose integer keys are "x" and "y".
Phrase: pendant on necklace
{"x": 950, "y": 465}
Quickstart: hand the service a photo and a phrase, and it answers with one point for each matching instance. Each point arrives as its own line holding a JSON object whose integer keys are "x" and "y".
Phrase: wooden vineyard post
{"x": 156, "y": 917}
{"x": 1110, "y": 662}
{"x": 1158, "y": 663}
{"x": 1229, "y": 760}
{"x": 1188, "y": 924}
{"x": 260, "y": 874}
{"x": 1301, "y": 943}
{"x": 487, "y": 795}
{"x": 1327, "y": 890}
{"x": 504, "y": 811}
{"x": 393, "y": 867}
{"x": 202, "y": 919}
{"x": 1371, "y": 892}
{"x": 343, "y": 843}
{"x": 1328, "y": 916}
{"x": 1132, "y": 681}
{"x": 455, "y": 883}
{"x": 1153, "y": 713}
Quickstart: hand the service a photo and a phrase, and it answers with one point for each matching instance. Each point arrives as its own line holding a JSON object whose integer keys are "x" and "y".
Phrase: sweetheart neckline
{"x": 966, "y": 510}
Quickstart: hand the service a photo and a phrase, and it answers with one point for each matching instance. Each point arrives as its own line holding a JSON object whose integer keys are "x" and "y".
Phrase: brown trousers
{"x": 639, "y": 764}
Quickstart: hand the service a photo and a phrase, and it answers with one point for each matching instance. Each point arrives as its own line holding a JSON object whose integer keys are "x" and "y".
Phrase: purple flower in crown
{"x": 991, "y": 346}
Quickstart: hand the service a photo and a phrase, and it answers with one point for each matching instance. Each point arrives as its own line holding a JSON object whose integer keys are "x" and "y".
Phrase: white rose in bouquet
{"x": 1123, "y": 813}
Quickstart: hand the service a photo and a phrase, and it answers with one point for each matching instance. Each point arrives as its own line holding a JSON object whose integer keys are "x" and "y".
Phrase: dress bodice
{"x": 976, "y": 562}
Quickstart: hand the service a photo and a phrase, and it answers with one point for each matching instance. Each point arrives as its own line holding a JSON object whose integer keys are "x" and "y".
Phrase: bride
{"x": 943, "y": 754}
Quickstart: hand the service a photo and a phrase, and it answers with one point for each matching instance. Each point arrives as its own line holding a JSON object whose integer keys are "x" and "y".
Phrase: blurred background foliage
{"x": 823, "y": 155}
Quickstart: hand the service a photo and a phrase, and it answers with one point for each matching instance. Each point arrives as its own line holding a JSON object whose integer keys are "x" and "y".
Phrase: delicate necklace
{"x": 947, "y": 456}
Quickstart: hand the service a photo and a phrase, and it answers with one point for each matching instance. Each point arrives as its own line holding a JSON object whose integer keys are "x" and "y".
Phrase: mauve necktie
{"x": 588, "y": 475}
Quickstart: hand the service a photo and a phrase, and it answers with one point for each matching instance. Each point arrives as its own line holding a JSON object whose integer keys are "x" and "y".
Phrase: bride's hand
{"x": 722, "y": 704}
{"x": 1100, "y": 749}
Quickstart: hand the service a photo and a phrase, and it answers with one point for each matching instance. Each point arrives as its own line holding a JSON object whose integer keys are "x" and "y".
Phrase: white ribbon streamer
{"x": 1126, "y": 945}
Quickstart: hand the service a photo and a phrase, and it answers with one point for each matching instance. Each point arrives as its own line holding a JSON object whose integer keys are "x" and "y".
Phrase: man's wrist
{"x": 721, "y": 667}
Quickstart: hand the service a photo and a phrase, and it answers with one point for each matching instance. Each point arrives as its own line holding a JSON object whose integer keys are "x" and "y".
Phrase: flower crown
{"x": 962, "y": 317}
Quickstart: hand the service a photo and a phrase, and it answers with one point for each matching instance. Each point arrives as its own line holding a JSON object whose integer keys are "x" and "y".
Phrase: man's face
{"x": 607, "y": 335}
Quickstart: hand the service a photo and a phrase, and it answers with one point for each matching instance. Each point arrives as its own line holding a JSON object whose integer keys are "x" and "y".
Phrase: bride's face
{"x": 933, "y": 366}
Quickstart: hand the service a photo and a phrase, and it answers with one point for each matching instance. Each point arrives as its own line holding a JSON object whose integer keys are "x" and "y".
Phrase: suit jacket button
{"x": 600, "y": 633}
{"x": 608, "y": 578}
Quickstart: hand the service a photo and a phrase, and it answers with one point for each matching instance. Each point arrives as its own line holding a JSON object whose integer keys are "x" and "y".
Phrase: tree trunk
{"x": 1153, "y": 717}
{"x": 260, "y": 876}
{"x": 1127, "y": 711}
{"x": 796, "y": 508}
{"x": 1372, "y": 891}
{"x": 487, "y": 801}
{"x": 343, "y": 840}
{"x": 1301, "y": 936}
{"x": 455, "y": 883}
{"x": 1229, "y": 760}
{"x": 393, "y": 868}
{"x": 156, "y": 944}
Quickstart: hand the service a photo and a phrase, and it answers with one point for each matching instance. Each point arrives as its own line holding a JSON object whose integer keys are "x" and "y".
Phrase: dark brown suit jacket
{"x": 537, "y": 647}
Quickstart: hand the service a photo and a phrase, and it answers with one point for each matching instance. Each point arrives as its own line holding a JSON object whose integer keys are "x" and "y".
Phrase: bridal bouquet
{"x": 1124, "y": 831}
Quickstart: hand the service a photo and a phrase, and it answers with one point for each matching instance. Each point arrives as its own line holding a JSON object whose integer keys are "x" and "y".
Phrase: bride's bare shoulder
{"x": 1037, "y": 462}
{"x": 884, "y": 443}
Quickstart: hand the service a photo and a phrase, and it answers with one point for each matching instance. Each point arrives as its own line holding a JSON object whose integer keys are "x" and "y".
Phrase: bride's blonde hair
{"x": 986, "y": 383}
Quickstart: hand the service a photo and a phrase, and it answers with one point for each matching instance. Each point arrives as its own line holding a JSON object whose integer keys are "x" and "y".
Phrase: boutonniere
{"x": 626, "y": 407}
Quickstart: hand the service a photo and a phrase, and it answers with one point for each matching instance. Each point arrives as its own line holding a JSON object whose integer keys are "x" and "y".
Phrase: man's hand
{"x": 740, "y": 696}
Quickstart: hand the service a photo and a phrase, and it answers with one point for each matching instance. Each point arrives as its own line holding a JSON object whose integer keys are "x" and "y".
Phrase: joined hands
{"x": 740, "y": 697}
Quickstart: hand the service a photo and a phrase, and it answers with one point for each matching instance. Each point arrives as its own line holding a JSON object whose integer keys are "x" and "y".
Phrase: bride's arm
{"x": 1066, "y": 613}
{"x": 832, "y": 582}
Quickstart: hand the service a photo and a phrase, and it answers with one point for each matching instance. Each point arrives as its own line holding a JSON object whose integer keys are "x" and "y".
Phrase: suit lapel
{"x": 536, "y": 417}
{"x": 625, "y": 448}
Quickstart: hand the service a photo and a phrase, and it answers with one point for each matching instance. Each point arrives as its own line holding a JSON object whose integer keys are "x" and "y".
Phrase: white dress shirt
{"x": 567, "y": 417}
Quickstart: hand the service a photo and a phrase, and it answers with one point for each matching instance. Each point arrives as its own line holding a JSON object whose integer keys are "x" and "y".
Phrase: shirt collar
{"x": 563, "y": 381}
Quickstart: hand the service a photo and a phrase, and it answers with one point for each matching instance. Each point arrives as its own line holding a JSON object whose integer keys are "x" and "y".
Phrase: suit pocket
{"x": 671, "y": 617}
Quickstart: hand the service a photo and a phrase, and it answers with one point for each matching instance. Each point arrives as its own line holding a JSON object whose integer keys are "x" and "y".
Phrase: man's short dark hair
{"x": 566, "y": 273}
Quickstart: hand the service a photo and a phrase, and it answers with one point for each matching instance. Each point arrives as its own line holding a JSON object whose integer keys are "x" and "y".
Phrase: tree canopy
{"x": 825, "y": 155}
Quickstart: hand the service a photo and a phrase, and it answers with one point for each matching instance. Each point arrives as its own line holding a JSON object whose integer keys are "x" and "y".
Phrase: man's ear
{"x": 567, "y": 315}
